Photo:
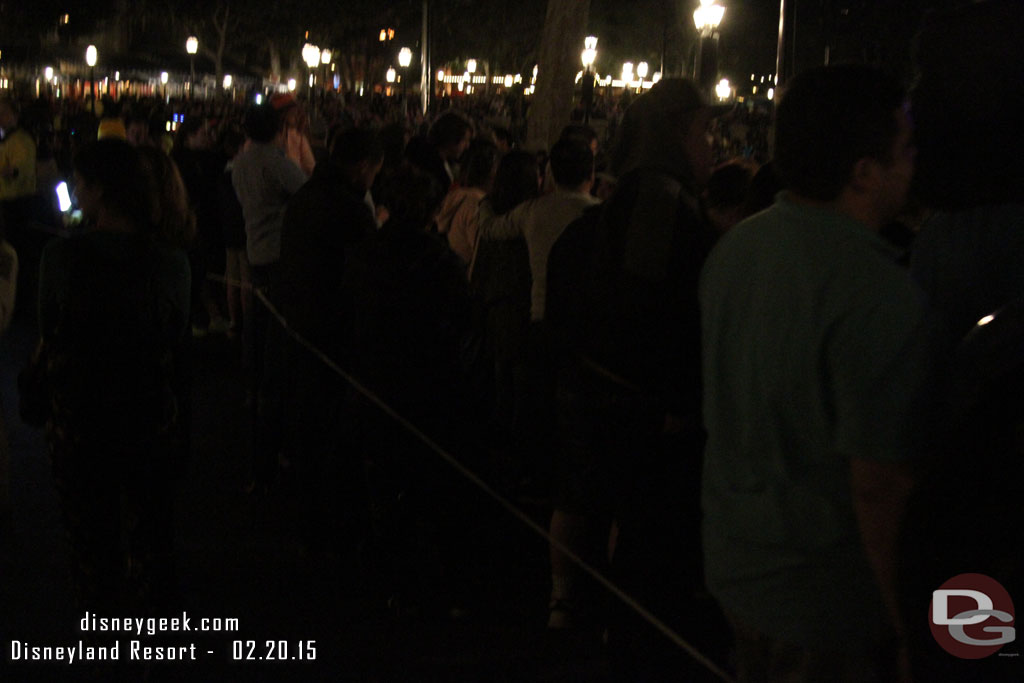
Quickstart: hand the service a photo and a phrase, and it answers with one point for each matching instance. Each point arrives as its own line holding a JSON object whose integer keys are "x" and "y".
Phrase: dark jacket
{"x": 426, "y": 158}
{"x": 324, "y": 219}
{"x": 643, "y": 313}
{"x": 413, "y": 332}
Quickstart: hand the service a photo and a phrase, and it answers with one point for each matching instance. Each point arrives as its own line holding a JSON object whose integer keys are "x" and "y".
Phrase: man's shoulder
{"x": 23, "y": 138}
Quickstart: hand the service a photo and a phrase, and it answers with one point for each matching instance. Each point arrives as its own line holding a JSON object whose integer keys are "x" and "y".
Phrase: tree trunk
{"x": 564, "y": 28}
{"x": 222, "y": 40}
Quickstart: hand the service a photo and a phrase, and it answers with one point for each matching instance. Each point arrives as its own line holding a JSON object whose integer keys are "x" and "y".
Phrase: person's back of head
{"x": 572, "y": 163}
{"x": 828, "y": 119}
{"x": 261, "y": 123}
{"x": 762, "y": 190}
{"x": 582, "y": 132}
{"x": 504, "y": 140}
{"x": 188, "y": 136}
{"x": 412, "y": 198}
{"x": 174, "y": 220}
{"x": 479, "y": 166}
{"x": 726, "y": 193}
{"x": 517, "y": 180}
{"x": 137, "y": 130}
{"x": 118, "y": 182}
{"x": 232, "y": 142}
{"x": 449, "y": 131}
{"x": 359, "y": 152}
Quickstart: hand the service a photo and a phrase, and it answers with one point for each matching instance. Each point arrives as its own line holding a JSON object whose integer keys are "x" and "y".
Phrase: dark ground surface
{"x": 239, "y": 557}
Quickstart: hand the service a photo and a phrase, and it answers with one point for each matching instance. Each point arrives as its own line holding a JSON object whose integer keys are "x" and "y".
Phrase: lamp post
{"x": 311, "y": 56}
{"x": 404, "y": 60}
{"x": 163, "y": 82}
{"x": 325, "y": 60}
{"x": 192, "y": 46}
{"x": 470, "y": 73}
{"x": 90, "y": 59}
{"x": 587, "y": 57}
{"x": 707, "y": 17}
{"x": 641, "y": 72}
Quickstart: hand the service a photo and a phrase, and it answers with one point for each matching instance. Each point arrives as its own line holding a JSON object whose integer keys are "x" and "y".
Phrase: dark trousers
{"x": 118, "y": 512}
{"x": 266, "y": 340}
{"x": 763, "y": 659}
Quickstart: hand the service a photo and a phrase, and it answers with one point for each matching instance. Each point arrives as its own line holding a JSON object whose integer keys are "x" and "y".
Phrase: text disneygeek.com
{"x": 91, "y": 649}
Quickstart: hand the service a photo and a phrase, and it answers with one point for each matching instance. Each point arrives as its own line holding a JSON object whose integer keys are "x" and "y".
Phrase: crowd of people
{"x": 763, "y": 380}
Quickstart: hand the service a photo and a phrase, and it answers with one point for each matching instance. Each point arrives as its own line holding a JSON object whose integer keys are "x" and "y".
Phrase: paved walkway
{"x": 239, "y": 558}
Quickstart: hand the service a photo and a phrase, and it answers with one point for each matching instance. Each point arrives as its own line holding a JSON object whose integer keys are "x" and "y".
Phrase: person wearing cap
{"x": 17, "y": 155}
{"x": 816, "y": 371}
{"x": 631, "y": 407}
{"x": 113, "y": 128}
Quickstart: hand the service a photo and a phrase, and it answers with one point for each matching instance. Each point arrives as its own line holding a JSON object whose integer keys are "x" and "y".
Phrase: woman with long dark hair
{"x": 113, "y": 312}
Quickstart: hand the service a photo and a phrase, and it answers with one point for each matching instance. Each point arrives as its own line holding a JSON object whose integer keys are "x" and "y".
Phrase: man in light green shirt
{"x": 815, "y": 363}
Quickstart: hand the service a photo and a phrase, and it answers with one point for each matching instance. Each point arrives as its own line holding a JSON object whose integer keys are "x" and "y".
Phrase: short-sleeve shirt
{"x": 815, "y": 352}
{"x": 264, "y": 179}
{"x": 541, "y": 221}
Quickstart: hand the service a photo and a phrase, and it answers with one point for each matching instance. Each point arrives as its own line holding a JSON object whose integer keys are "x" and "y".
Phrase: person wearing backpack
{"x": 113, "y": 314}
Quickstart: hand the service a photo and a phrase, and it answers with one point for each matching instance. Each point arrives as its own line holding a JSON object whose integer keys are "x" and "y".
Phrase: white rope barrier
{"x": 626, "y": 599}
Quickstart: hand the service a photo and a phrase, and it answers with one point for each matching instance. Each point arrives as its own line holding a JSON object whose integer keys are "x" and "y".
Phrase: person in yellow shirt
{"x": 17, "y": 155}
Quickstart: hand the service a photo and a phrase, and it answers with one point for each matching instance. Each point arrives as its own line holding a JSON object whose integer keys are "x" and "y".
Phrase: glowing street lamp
{"x": 707, "y": 18}
{"x": 163, "y": 81}
{"x": 90, "y": 59}
{"x": 641, "y": 73}
{"x": 311, "y": 56}
{"x": 192, "y": 47}
{"x": 723, "y": 89}
{"x": 48, "y": 73}
{"x": 227, "y": 81}
{"x": 325, "y": 59}
{"x": 627, "y": 72}
{"x": 390, "y": 75}
{"x": 589, "y": 54}
{"x": 588, "y": 57}
{"x": 404, "y": 60}
{"x": 471, "y": 66}
{"x": 291, "y": 85}
{"x": 404, "y": 57}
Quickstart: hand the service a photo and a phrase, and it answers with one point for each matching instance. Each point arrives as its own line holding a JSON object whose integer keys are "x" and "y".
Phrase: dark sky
{"x": 877, "y": 31}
